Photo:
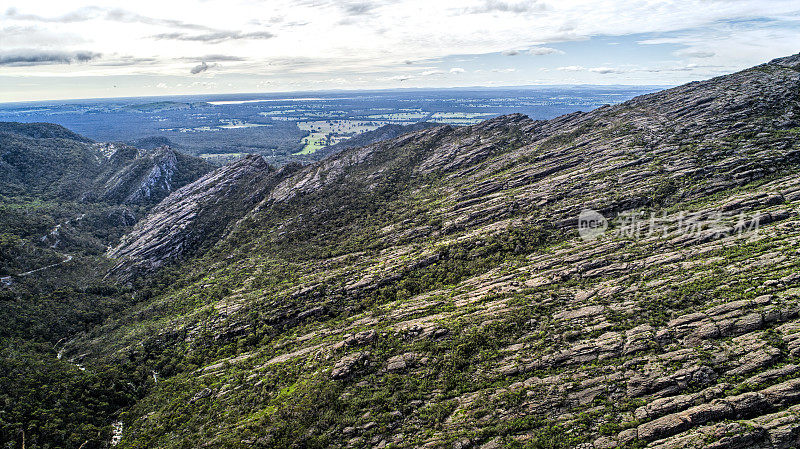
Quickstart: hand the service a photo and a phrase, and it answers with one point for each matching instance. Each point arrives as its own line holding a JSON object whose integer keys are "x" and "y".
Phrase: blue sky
{"x": 73, "y": 49}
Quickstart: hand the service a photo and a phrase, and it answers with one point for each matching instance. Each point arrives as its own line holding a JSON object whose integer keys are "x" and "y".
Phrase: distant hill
{"x": 60, "y": 190}
{"x": 152, "y": 142}
{"x": 40, "y": 131}
{"x": 50, "y": 162}
{"x": 160, "y": 106}
{"x": 46, "y": 167}
{"x": 133, "y": 175}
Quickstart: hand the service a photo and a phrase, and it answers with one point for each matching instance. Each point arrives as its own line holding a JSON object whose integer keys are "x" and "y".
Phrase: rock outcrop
{"x": 135, "y": 176}
{"x": 195, "y": 215}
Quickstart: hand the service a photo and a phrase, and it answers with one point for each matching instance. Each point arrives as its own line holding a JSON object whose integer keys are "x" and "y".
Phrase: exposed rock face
{"x": 133, "y": 176}
{"x": 349, "y": 363}
{"x": 436, "y": 284}
{"x": 152, "y": 182}
{"x": 195, "y": 215}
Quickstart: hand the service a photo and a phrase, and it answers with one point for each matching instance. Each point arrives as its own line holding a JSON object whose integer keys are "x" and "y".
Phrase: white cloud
{"x": 601, "y": 70}
{"x": 518, "y": 6}
{"x": 694, "y": 53}
{"x": 540, "y": 51}
{"x": 457, "y": 70}
{"x": 606, "y": 70}
{"x": 295, "y": 42}
{"x": 397, "y": 78}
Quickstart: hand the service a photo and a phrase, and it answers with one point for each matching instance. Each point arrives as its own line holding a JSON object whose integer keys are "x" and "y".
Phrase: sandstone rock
{"x": 195, "y": 215}
{"x": 348, "y": 364}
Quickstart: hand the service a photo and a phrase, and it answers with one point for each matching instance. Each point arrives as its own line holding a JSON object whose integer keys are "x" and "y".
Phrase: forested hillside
{"x": 63, "y": 201}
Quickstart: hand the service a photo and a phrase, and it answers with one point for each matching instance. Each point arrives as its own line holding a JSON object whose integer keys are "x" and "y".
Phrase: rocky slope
{"x": 132, "y": 176}
{"x": 196, "y": 215}
{"x": 433, "y": 290}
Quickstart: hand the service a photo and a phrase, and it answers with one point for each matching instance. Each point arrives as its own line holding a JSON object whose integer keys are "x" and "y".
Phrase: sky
{"x": 74, "y": 49}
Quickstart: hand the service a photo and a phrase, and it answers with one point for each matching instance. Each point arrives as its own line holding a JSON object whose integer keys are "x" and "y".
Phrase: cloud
{"x": 214, "y": 57}
{"x": 95, "y": 12}
{"x": 202, "y": 67}
{"x": 687, "y": 68}
{"x": 126, "y": 61}
{"x": 36, "y": 37}
{"x": 605, "y": 70}
{"x": 431, "y": 72}
{"x": 518, "y": 7}
{"x": 430, "y": 34}
{"x": 691, "y": 53}
{"x": 205, "y": 84}
{"x": 509, "y": 70}
{"x": 199, "y": 68}
{"x": 214, "y": 37}
{"x": 79, "y": 15}
{"x": 22, "y": 58}
{"x": 541, "y": 51}
{"x": 400, "y": 78}
{"x": 602, "y": 70}
{"x": 510, "y": 53}
{"x": 121, "y": 15}
{"x": 358, "y": 9}
{"x": 457, "y": 70}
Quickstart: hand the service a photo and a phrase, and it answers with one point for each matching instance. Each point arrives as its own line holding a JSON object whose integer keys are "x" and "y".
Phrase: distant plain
{"x": 288, "y": 127}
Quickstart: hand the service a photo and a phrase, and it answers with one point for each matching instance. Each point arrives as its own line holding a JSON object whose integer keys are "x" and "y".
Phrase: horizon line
{"x": 334, "y": 91}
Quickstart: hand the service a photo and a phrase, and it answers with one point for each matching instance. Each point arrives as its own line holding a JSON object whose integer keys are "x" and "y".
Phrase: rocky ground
{"x": 433, "y": 291}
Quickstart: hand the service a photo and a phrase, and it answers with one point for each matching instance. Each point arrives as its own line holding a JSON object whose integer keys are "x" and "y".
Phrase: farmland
{"x": 293, "y": 127}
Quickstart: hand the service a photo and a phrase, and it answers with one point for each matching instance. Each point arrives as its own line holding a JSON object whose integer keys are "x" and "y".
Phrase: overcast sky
{"x": 74, "y": 49}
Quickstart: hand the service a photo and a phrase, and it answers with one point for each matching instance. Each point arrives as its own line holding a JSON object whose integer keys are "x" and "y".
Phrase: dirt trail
{"x": 67, "y": 258}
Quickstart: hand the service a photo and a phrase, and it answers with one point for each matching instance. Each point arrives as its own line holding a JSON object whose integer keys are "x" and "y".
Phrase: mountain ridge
{"x": 435, "y": 290}
{"x": 40, "y": 130}
{"x": 330, "y": 170}
{"x": 203, "y": 210}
